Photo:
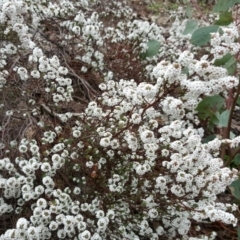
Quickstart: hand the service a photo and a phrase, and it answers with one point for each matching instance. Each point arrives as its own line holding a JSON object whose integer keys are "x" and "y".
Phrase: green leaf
{"x": 208, "y": 138}
{"x": 225, "y": 19}
{"x": 232, "y": 135}
{"x": 202, "y": 35}
{"x": 222, "y": 61}
{"x": 224, "y": 5}
{"x": 212, "y": 104}
{"x": 229, "y": 62}
{"x": 189, "y": 11}
{"x": 236, "y": 160}
{"x": 235, "y": 189}
{"x": 238, "y": 100}
{"x": 191, "y": 26}
{"x": 209, "y": 108}
{"x": 223, "y": 118}
{"x": 231, "y": 65}
{"x": 238, "y": 230}
{"x": 152, "y": 50}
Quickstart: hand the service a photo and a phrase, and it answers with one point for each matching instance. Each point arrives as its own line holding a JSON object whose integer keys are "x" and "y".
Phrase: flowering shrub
{"x": 127, "y": 160}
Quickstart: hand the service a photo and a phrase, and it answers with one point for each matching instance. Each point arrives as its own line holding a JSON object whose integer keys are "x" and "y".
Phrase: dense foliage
{"x": 106, "y": 121}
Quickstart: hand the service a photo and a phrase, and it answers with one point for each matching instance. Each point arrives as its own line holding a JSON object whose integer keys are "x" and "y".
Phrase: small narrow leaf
{"x": 191, "y": 26}
{"x": 225, "y": 19}
{"x": 202, "y": 35}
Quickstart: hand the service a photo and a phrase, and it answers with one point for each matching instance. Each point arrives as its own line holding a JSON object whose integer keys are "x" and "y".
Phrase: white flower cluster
{"x": 132, "y": 165}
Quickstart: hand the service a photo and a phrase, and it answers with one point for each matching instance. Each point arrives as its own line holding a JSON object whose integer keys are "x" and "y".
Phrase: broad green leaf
{"x": 213, "y": 119}
{"x": 222, "y": 61}
{"x": 191, "y": 26}
{"x": 229, "y": 62}
{"x": 208, "y": 138}
{"x": 152, "y": 50}
{"x": 238, "y": 230}
{"x": 224, "y": 5}
{"x": 235, "y": 189}
{"x": 223, "y": 118}
{"x": 202, "y": 35}
{"x": 236, "y": 160}
{"x": 231, "y": 65}
{"x": 209, "y": 108}
{"x": 189, "y": 11}
{"x": 225, "y": 19}
{"x": 212, "y": 104}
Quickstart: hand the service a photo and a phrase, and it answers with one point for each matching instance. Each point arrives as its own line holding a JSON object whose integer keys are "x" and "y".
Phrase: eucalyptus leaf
{"x": 223, "y": 118}
{"x": 236, "y": 160}
{"x": 224, "y": 5}
{"x": 222, "y": 61}
{"x": 152, "y": 50}
{"x": 191, "y": 26}
{"x": 235, "y": 189}
{"x": 231, "y": 65}
{"x": 225, "y": 19}
{"x": 189, "y": 11}
{"x": 203, "y": 35}
{"x": 212, "y": 103}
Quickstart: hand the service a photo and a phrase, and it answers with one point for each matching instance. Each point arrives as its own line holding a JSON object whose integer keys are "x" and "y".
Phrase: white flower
{"x": 34, "y": 149}
{"x": 35, "y": 74}
{"x": 41, "y": 202}
{"x": 102, "y": 222}
{"x": 76, "y": 133}
{"x": 105, "y": 142}
{"x": 39, "y": 189}
{"x": 53, "y": 226}
{"x": 147, "y": 90}
{"x": 63, "y": 70}
{"x": 136, "y": 118}
{"x": 22, "y": 224}
{"x": 58, "y": 147}
{"x": 32, "y": 232}
{"x": 110, "y": 214}
{"x": 85, "y": 235}
{"x": 46, "y": 167}
{"x": 23, "y": 148}
{"x": 141, "y": 169}
{"x": 100, "y": 214}
{"x": 81, "y": 226}
{"x": 9, "y": 113}
{"x": 84, "y": 207}
{"x": 46, "y": 213}
{"x": 147, "y": 136}
{"x": 23, "y": 74}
